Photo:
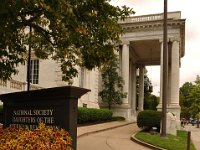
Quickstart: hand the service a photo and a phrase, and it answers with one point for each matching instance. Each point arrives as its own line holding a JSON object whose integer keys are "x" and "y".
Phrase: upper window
{"x": 34, "y": 72}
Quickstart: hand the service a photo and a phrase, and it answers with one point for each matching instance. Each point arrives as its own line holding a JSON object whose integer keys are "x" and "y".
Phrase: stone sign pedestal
{"x": 56, "y": 107}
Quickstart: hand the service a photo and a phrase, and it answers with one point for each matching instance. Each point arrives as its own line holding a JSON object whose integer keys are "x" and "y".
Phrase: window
{"x": 34, "y": 71}
{"x": 84, "y": 105}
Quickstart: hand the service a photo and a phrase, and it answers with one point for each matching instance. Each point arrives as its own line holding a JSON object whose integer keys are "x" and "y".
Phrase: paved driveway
{"x": 115, "y": 139}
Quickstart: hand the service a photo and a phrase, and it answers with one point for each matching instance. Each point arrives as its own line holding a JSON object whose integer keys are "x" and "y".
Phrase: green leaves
{"x": 73, "y": 32}
{"x": 190, "y": 98}
{"x": 112, "y": 92}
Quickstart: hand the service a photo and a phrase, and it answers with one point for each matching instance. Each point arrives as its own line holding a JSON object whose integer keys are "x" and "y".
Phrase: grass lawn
{"x": 171, "y": 142}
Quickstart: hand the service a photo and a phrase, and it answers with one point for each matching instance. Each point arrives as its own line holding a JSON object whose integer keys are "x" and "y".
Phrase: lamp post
{"x": 29, "y": 60}
{"x": 165, "y": 73}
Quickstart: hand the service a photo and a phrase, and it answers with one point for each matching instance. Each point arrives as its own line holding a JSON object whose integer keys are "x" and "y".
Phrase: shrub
{"x": 1, "y": 113}
{"x": 43, "y": 138}
{"x": 90, "y": 115}
{"x": 149, "y": 118}
{"x": 117, "y": 118}
{"x": 1, "y": 108}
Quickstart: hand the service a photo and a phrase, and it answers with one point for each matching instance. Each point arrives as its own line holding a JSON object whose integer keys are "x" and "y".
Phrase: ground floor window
{"x": 34, "y": 72}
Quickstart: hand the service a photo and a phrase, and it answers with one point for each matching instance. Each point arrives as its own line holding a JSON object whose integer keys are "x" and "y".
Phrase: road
{"x": 115, "y": 139}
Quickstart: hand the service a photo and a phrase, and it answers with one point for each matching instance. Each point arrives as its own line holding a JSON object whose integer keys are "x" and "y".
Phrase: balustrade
{"x": 153, "y": 17}
{"x": 17, "y": 85}
{"x": 3, "y": 83}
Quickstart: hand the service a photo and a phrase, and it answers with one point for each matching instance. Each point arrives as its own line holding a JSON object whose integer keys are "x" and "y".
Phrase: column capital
{"x": 141, "y": 66}
{"x": 125, "y": 42}
{"x": 175, "y": 39}
{"x": 161, "y": 40}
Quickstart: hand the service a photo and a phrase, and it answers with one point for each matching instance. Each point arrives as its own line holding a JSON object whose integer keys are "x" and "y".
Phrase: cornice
{"x": 151, "y": 25}
{"x": 157, "y": 25}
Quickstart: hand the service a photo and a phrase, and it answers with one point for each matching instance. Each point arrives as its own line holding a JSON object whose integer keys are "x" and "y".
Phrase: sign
{"x": 30, "y": 118}
{"x": 56, "y": 107}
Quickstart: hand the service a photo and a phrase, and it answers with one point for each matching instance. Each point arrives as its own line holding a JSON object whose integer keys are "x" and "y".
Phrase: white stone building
{"x": 142, "y": 45}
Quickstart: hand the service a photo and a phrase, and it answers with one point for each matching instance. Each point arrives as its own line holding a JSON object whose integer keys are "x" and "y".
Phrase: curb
{"x": 145, "y": 144}
{"x": 105, "y": 129}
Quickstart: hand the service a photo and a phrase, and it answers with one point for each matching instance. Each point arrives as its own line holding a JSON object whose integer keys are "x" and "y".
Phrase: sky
{"x": 190, "y": 10}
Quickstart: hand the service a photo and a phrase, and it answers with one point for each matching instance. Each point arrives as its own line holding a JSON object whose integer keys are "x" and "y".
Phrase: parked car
{"x": 194, "y": 121}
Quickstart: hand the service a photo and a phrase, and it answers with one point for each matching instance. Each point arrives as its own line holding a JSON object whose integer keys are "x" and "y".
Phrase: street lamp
{"x": 29, "y": 60}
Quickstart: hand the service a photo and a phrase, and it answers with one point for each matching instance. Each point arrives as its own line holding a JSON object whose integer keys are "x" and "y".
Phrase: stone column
{"x": 141, "y": 88}
{"x": 134, "y": 88}
{"x": 133, "y": 85}
{"x": 159, "y": 107}
{"x": 132, "y": 91}
{"x": 169, "y": 78}
{"x": 130, "y": 83}
{"x": 173, "y": 102}
{"x": 174, "y": 88}
{"x": 125, "y": 69}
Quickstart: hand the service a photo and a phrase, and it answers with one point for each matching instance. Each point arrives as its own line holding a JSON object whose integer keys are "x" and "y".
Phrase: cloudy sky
{"x": 190, "y": 63}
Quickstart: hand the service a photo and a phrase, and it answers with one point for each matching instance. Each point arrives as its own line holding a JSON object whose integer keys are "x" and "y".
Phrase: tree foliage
{"x": 190, "y": 98}
{"x": 112, "y": 92}
{"x": 72, "y": 32}
{"x": 150, "y": 100}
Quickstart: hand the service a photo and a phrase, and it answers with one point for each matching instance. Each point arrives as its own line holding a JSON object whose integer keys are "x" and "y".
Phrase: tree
{"x": 194, "y": 96}
{"x": 190, "y": 98}
{"x": 72, "y": 32}
{"x": 185, "y": 101}
{"x": 150, "y": 100}
{"x": 112, "y": 92}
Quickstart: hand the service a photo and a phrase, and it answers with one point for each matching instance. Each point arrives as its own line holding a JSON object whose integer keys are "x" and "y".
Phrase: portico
{"x": 142, "y": 46}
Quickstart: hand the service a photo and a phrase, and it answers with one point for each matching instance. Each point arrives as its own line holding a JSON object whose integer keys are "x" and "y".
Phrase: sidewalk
{"x": 195, "y": 135}
{"x": 86, "y": 130}
{"x": 116, "y": 139}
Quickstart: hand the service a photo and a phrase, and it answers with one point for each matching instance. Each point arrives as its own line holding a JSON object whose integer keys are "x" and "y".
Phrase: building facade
{"x": 142, "y": 45}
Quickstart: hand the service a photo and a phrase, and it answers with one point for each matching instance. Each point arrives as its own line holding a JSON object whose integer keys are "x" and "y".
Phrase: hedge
{"x": 1, "y": 113}
{"x": 149, "y": 118}
{"x": 91, "y": 115}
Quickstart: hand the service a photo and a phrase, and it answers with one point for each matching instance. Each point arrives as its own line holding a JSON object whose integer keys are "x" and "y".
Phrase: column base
{"x": 175, "y": 109}
{"x": 123, "y": 110}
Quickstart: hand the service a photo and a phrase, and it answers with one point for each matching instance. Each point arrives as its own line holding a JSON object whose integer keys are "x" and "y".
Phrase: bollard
{"x": 188, "y": 140}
